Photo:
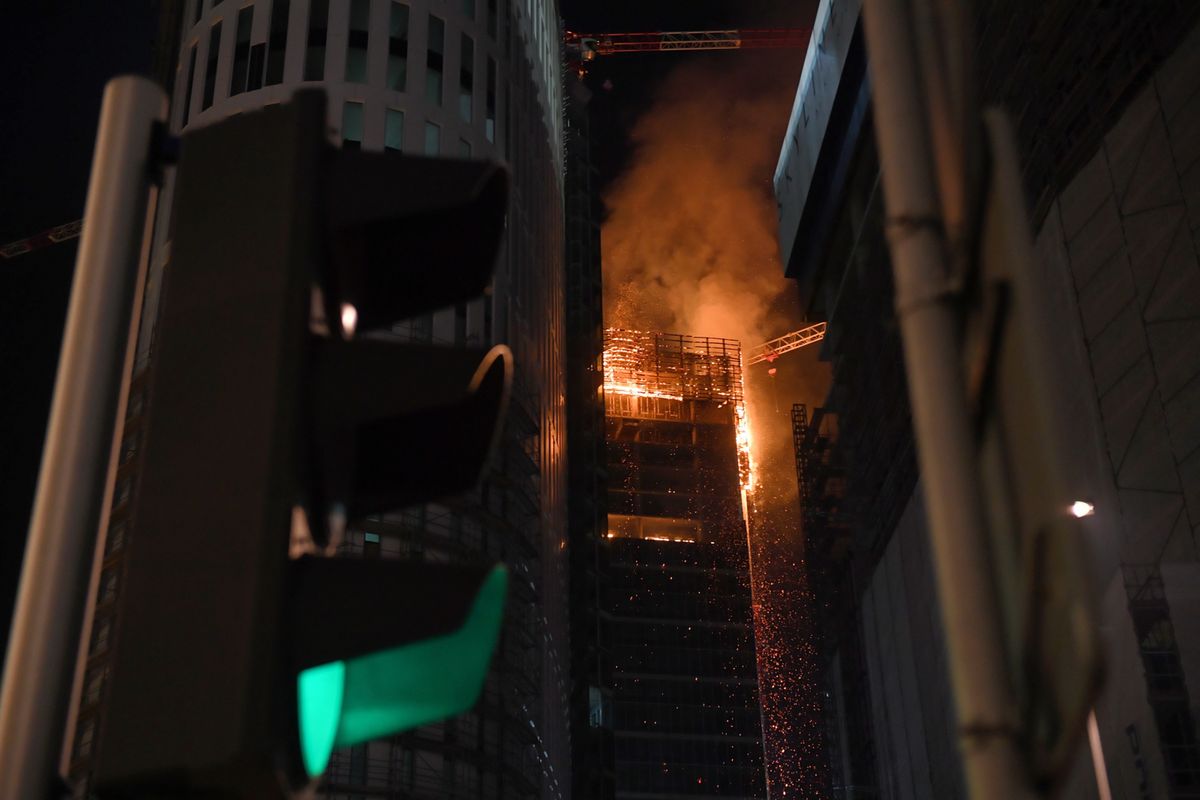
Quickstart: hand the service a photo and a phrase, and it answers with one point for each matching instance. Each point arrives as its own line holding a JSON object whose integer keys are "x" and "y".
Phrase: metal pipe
{"x": 66, "y": 513}
{"x": 985, "y": 707}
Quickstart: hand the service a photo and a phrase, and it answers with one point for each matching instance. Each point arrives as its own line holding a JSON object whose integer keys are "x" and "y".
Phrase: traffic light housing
{"x": 238, "y": 668}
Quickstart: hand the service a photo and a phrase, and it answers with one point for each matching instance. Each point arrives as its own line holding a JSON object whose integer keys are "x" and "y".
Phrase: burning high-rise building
{"x": 679, "y": 693}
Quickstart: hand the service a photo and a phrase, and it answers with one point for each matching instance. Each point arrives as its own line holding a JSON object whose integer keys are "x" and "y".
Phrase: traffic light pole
{"x": 987, "y": 715}
{"x": 71, "y": 485}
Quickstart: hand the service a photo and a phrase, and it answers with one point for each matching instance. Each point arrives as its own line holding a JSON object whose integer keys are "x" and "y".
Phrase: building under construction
{"x": 679, "y": 692}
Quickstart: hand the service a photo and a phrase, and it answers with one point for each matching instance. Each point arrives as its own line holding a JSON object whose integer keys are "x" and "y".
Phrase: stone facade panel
{"x": 1150, "y": 236}
{"x": 1176, "y": 349}
{"x": 1117, "y": 348}
{"x": 1095, "y": 243}
{"x": 1107, "y": 294}
{"x": 1149, "y": 463}
{"x": 1084, "y": 196}
{"x": 1150, "y": 518}
{"x": 1122, "y": 408}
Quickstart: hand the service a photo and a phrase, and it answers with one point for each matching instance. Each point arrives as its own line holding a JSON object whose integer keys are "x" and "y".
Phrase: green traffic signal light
{"x": 348, "y": 702}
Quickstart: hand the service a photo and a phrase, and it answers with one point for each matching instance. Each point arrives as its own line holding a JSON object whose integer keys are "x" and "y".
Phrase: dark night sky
{"x": 634, "y": 77}
{"x": 55, "y": 57}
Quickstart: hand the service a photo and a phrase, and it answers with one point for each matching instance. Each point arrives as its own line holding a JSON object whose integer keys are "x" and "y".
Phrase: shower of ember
{"x": 689, "y": 246}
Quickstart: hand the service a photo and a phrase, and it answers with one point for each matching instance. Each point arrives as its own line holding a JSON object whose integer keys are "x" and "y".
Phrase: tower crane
{"x": 583, "y": 48}
{"x": 769, "y": 351}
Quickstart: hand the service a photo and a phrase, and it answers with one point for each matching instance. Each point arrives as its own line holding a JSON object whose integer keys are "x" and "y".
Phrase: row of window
{"x": 469, "y": 9}
{"x": 261, "y": 64}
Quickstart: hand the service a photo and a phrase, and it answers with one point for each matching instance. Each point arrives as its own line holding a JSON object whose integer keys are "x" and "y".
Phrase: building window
{"x": 100, "y": 633}
{"x": 318, "y": 28}
{"x": 187, "y": 93}
{"x": 433, "y": 139}
{"x": 371, "y": 545}
{"x": 352, "y": 126}
{"x": 393, "y": 130}
{"x": 94, "y": 685}
{"x": 356, "y": 48}
{"x": 468, "y": 9}
{"x": 197, "y": 11}
{"x": 489, "y": 127}
{"x": 434, "y": 59}
{"x": 241, "y": 51}
{"x": 124, "y": 489}
{"x": 464, "y": 148}
{"x": 277, "y": 41}
{"x": 466, "y": 78}
{"x": 258, "y": 59}
{"x": 116, "y": 538}
{"x": 84, "y": 738}
{"x": 491, "y": 18}
{"x": 397, "y": 71}
{"x": 108, "y": 587}
{"x": 210, "y": 68}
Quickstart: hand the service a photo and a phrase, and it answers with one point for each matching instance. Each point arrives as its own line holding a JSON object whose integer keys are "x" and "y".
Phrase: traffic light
{"x": 271, "y": 399}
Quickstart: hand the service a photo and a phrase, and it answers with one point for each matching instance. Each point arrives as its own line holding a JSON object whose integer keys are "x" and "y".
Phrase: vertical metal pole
{"x": 62, "y": 534}
{"x": 985, "y": 706}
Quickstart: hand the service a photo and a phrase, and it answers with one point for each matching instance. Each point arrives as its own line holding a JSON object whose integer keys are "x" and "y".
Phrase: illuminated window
{"x": 241, "y": 51}
{"x": 318, "y": 28}
{"x": 191, "y": 80}
{"x": 489, "y": 127}
{"x": 435, "y": 60}
{"x": 356, "y": 47}
{"x": 433, "y": 139}
{"x": 397, "y": 70}
{"x": 466, "y": 78}
{"x": 277, "y": 41}
{"x": 210, "y": 68}
{"x": 352, "y": 126}
{"x": 393, "y": 130}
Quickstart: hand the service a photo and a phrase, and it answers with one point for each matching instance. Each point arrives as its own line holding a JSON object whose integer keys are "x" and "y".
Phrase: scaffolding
{"x": 672, "y": 365}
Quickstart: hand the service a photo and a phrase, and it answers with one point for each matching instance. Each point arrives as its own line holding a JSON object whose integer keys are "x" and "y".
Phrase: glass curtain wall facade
{"x": 484, "y": 77}
{"x": 591, "y": 746}
{"x": 675, "y": 627}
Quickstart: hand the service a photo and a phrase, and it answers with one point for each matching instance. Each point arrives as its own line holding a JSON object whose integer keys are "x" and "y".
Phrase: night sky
{"x": 634, "y": 77}
{"x": 56, "y": 57}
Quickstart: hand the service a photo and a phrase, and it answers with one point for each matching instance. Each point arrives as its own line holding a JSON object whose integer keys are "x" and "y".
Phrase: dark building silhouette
{"x": 592, "y": 773}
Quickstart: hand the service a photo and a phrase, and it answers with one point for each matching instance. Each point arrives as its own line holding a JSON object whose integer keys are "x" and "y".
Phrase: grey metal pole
{"x": 985, "y": 707}
{"x": 71, "y": 484}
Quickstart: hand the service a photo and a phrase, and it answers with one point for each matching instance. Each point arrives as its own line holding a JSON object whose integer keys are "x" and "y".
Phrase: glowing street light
{"x": 1082, "y": 508}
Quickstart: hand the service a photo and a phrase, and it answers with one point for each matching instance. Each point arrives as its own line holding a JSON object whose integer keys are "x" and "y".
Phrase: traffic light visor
{"x": 348, "y": 702}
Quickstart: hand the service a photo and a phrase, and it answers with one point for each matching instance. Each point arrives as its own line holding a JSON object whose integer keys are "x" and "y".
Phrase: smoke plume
{"x": 689, "y": 242}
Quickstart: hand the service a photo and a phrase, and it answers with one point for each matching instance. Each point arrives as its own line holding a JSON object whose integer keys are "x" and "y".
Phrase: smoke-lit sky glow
{"x": 689, "y": 246}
